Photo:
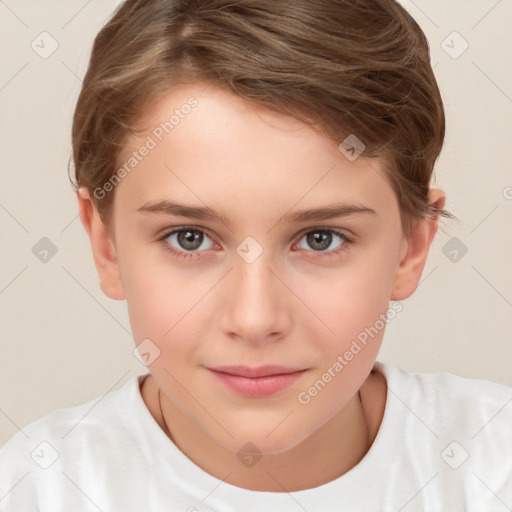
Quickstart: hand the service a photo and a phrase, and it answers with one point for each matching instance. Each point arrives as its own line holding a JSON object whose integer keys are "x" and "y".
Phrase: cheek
{"x": 354, "y": 306}
{"x": 160, "y": 297}
{"x": 352, "y": 303}
{"x": 354, "y": 297}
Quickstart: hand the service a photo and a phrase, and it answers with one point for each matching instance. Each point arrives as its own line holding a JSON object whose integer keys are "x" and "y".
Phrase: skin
{"x": 295, "y": 305}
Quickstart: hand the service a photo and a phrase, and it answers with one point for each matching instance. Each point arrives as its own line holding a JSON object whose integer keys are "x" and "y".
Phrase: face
{"x": 246, "y": 239}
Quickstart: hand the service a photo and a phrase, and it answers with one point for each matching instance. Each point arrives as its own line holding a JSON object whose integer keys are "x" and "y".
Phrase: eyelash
{"x": 317, "y": 254}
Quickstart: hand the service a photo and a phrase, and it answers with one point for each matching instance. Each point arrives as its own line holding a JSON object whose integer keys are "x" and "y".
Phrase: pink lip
{"x": 256, "y": 382}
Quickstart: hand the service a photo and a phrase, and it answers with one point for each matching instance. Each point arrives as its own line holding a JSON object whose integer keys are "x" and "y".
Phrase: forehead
{"x": 209, "y": 146}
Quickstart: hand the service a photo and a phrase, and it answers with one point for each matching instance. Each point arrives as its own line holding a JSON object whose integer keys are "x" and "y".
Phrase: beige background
{"x": 63, "y": 342}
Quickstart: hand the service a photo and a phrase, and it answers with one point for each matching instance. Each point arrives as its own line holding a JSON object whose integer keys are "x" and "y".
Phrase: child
{"x": 254, "y": 179}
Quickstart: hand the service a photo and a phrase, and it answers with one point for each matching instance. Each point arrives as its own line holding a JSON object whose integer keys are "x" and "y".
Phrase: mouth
{"x": 256, "y": 382}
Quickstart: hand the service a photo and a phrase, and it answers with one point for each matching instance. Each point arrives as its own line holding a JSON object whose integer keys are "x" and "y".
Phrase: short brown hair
{"x": 348, "y": 67}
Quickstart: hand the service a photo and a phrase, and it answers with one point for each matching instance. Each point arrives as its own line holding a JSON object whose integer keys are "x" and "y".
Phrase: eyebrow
{"x": 207, "y": 213}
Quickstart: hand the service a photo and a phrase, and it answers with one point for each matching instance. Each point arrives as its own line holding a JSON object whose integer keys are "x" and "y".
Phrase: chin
{"x": 263, "y": 440}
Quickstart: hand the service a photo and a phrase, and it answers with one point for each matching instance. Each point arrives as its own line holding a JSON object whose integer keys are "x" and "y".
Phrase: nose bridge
{"x": 255, "y": 306}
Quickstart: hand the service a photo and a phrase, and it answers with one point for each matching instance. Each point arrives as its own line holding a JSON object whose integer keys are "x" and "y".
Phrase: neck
{"x": 332, "y": 450}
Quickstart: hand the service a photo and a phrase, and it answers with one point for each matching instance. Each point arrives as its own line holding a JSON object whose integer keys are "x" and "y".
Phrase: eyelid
{"x": 345, "y": 233}
{"x": 169, "y": 231}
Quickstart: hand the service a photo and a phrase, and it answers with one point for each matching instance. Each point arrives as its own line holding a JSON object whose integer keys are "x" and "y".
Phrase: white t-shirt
{"x": 444, "y": 444}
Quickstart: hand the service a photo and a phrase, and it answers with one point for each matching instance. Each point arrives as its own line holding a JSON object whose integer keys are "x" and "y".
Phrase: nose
{"x": 257, "y": 305}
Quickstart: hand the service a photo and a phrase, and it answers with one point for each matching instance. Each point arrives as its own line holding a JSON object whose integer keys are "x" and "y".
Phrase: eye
{"x": 184, "y": 242}
{"x": 324, "y": 240}
{"x": 190, "y": 242}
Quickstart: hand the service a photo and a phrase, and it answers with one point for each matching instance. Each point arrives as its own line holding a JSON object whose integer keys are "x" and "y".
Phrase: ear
{"x": 415, "y": 250}
{"x": 102, "y": 245}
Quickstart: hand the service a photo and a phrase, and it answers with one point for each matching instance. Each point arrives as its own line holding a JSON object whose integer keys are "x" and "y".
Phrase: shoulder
{"x": 82, "y": 418}
{"x": 467, "y": 401}
{"x": 451, "y": 429}
{"x": 448, "y": 436}
{"x": 63, "y": 439}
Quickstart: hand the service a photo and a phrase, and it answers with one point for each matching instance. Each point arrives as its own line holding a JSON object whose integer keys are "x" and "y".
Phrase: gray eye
{"x": 321, "y": 240}
{"x": 188, "y": 239}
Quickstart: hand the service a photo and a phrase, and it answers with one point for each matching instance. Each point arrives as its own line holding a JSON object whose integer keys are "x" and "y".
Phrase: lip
{"x": 257, "y": 382}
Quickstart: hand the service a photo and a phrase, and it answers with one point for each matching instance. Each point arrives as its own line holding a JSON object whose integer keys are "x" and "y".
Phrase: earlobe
{"x": 415, "y": 249}
{"x": 103, "y": 248}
